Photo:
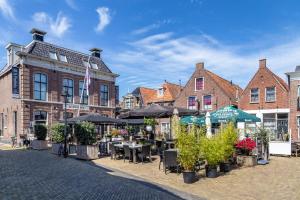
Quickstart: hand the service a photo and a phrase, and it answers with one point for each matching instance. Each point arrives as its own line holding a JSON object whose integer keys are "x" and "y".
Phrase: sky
{"x": 149, "y": 41}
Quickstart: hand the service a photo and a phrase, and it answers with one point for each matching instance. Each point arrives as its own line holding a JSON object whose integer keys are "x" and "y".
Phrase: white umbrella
{"x": 208, "y": 125}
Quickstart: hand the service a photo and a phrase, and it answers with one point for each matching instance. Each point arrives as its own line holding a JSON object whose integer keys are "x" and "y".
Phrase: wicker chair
{"x": 127, "y": 153}
{"x": 145, "y": 153}
{"x": 170, "y": 161}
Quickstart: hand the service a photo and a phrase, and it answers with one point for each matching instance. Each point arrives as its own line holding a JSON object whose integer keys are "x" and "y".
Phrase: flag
{"x": 87, "y": 77}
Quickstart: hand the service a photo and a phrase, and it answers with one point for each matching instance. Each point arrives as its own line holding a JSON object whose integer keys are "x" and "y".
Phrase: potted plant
{"x": 86, "y": 137}
{"x": 211, "y": 149}
{"x": 40, "y": 132}
{"x": 245, "y": 157}
{"x": 188, "y": 148}
{"x": 57, "y": 136}
{"x": 229, "y": 137}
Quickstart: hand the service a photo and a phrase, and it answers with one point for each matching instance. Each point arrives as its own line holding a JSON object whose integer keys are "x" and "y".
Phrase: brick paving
{"x": 29, "y": 174}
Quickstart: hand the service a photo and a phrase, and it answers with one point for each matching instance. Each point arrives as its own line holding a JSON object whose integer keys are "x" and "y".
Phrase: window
{"x": 86, "y": 64}
{"x": 207, "y": 104}
{"x": 85, "y": 97}
{"x": 254, "y": 95}
{"x": 53, "y": 55}
{"x": 298, "y": 91}
{"x": 68, "y": 115}
{"x": 40, "y": 86}
{"x": 270, "y": 94}
{"x": 40, "y": 117}
{"x": 103, "y": 95}
{"x": 192, "y": 103}
{"x": 1, "y": 124}
{"x": 63, "y": 58}
{"x": 160, "y": 92}
{"x": 128, "y": 103}
{"x": 298, "y": 121}
{"x": 116, "y": 95}
{"x": 94, "y": 65}
{"x": 277, "y": 125}
{"x": 68, "y": 87}
{"x": 165, "y": 128}
{"x": 15, "y": 82}
{"x": 199, "y": 84}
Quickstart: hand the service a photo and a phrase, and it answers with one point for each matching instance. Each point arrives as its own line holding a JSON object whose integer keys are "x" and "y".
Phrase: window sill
{"x": 270, "y": 101}
{"x": 254, "y": 102}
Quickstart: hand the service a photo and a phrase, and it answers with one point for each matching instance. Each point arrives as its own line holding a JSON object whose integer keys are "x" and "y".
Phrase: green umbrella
{"x": 230, "y": 113}
{"x": 193, "y": 120}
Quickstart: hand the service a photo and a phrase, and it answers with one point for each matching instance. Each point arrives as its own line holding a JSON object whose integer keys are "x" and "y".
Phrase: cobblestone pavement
{"x": 29, "y": 174}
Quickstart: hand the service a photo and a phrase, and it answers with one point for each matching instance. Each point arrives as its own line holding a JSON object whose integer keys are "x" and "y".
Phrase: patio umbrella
{"x": 230, "y": 113}
{"x": 96, "y": 119}
{"x": 193, "y": 120}
{"x": 155, "y": 110}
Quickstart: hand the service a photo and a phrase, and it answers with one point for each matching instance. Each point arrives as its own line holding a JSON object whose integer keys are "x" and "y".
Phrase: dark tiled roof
{"x": 42, "y": 49}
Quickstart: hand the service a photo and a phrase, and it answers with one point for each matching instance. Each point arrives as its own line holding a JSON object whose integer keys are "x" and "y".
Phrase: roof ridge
{"x": 279, "y": 79}
{"x": 230, "y": 82}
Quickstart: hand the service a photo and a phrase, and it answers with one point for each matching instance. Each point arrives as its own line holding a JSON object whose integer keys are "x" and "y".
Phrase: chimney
{"x": 96, "y": 52}
{"x": 38, "y": 34}
{"x": 200, "y": 66}
{"x": 262, "y": 63}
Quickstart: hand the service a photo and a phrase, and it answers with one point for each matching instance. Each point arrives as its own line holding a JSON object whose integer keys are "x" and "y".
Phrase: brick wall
{"x": 262, "y": 79}
{"x": 219, "y": 97}
{"x": 294, "y": 112}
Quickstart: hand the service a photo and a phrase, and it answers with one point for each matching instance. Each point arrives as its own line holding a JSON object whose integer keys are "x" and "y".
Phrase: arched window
{"x": 40, "y": 86}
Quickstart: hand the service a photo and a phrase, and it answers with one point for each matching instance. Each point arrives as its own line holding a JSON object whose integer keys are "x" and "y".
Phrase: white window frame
{"x": 94, "y": 65}
{"x": 159, "y": 94}
{"x": 266, "y": 94}
{"x": 53, "y": 53}
{"x": 187, "y": 103}
{"x": 167, "y": 127}
{"x": 35, "y": 111}
{"x": 195, "y": 85}
{"x": 251, "y": 95}
{"x": 203, "y": 106}
{"x": 63, "y": 58}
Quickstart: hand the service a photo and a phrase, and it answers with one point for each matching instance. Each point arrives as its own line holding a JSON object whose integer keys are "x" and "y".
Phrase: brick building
{"x": 294, "y": 100}
{"x": 34, "y": 78}
{"x": 267, "y": 97}
{"x": 142, "y": 96}
{"x": 206, "y": 91}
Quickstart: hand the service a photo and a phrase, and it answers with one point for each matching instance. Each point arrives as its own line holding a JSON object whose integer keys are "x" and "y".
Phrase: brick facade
{"x": 262, "y": 79}
{"x": 213, "y": 85}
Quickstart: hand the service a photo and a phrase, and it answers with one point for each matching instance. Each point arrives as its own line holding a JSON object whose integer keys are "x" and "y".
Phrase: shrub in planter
{"x": 245, "y": 148}
{"x": 57, "y": 136}
{"x": 86, "y": 136}
{"x": 188, "y": 147}
{"x": 229, "y": 137}
{"x": 211, "y": 149}
{"x": 40, "y": 132}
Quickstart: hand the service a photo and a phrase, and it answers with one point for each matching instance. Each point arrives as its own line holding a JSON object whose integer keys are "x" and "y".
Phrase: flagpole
{"x": 87, "y": 75}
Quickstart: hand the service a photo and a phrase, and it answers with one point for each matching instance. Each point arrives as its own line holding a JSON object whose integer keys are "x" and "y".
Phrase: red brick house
{"x": 34, "y": 78}
{"x": 206, "y": 91}
{"x": 267, "y": 97}
{"x": 294, "y": 100}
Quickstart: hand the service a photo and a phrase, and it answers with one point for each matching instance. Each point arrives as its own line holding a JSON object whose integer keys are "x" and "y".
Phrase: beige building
{"x": 35, "y": 77}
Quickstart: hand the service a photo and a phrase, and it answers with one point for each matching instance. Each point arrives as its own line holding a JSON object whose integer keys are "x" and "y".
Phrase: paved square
{"x": 29, "y": 174}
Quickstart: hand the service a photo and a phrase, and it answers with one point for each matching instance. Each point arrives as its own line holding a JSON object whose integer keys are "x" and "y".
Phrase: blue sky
{"x": 149, "y": 41}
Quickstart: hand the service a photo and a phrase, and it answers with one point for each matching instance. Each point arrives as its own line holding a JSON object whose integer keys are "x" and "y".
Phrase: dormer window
{"x": 86, "y": 64}
{"x": 160, "y": 92}
{"x": 94, "y": 65}
{"x": 63, "y": 58}
{"x": 53, "y": 55}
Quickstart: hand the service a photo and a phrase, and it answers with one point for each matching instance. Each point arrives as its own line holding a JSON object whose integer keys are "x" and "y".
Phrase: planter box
{"x": 40, "y": 144}
{"x": 87, "y": 152}
{"x": 246, "y": 161}
{"x": 55, "y": 148}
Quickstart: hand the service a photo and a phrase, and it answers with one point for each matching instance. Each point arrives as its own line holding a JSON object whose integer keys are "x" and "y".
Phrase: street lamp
{"x": 65, "y": 95}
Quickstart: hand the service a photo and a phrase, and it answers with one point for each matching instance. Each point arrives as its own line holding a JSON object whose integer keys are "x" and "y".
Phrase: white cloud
{"x": 72, "y": 4}
{"x": 151, "y": 27}
{"x": 58, "y": 27}
{"x": 164, "y": 56}
{"x": 6, "y": 9}
{"x": 104, "y": 18}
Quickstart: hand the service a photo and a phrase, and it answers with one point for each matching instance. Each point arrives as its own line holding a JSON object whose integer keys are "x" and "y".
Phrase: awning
{"x": 193, "y": 120}
{"x": 96, "y": 119}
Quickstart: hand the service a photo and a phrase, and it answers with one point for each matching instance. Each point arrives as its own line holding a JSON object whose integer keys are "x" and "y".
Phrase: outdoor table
{"x": 134, "y": 149}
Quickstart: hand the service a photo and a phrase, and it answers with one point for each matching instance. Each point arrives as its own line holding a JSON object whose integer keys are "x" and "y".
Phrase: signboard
{"x": 76, "y": 107}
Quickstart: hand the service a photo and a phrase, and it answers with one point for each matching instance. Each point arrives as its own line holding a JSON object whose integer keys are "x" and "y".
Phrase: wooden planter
{"x": 246, "y": 161}
{"x": 39, "y": 144}
{"x": 87, "y": 152}
{"x": 55, "y": 148}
